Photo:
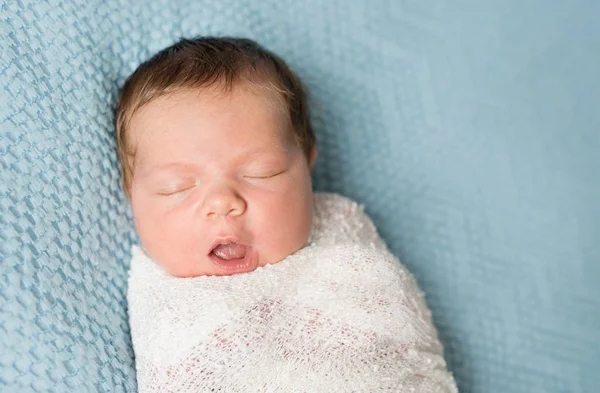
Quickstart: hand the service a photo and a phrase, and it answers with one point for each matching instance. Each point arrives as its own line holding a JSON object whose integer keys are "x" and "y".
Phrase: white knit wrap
{"x": 340, "y": 315}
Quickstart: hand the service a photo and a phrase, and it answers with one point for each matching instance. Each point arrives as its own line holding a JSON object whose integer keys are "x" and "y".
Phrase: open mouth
{"x": 232, "y": 257}
{"x": 230, "y": 251}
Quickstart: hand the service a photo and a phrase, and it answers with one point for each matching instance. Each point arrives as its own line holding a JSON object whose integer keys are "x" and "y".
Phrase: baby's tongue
{"x": 230, "y": 251}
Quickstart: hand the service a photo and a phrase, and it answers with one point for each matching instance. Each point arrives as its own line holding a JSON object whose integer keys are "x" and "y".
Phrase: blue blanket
{"x": 470, "y": 130}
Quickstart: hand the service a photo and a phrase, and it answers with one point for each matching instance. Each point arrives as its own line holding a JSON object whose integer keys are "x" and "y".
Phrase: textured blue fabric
{"x": 470, "y": 130}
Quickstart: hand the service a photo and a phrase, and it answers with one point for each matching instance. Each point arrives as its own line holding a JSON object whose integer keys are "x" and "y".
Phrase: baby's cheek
{"x": 165, "y": 240}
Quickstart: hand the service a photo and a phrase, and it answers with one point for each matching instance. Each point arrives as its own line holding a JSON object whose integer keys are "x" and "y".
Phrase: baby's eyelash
{"x": 176, "y": 191}
{"x": 265, "y": 177}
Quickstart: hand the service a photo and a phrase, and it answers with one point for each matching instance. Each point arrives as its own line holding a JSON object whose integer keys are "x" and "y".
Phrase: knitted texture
{"x": 340, "y": 315}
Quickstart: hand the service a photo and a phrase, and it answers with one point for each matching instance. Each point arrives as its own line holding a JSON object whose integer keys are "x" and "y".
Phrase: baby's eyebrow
{"x": 190, "y": 167}
{"x": 172, "y": 166}
{"x": 272, "y": 151}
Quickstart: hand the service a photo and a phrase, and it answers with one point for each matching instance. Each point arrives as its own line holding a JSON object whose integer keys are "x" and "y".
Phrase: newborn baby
{"x": 246, "y": 281}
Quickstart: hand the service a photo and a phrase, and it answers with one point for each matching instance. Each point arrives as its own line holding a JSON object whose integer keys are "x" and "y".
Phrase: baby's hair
{"x": 206, "y": 62}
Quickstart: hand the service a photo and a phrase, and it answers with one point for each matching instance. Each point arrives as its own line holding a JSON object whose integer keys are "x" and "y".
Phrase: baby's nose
{"x": 223, "y": 203}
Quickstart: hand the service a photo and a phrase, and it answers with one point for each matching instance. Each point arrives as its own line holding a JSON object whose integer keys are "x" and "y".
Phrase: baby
{"x": 246, "y": 281}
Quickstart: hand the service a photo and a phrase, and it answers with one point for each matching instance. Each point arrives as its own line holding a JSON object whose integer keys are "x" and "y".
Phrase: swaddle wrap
{"x": 340, "y": 315}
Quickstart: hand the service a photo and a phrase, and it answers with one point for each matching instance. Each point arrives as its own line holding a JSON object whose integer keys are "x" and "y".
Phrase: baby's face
{"x": 213, "y": 169}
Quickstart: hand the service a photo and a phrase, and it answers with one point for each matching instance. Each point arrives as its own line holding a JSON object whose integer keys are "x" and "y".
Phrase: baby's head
{"x": 216, "y": 146}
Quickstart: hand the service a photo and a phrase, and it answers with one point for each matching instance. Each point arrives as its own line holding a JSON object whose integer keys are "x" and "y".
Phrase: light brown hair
{"x": 205, "y": 62}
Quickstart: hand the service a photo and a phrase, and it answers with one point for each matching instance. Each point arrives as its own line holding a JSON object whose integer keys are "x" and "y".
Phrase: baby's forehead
{"x": 244, "y": 102}
{"x": 189, "y": 152}
{"x": 213, "y": 99}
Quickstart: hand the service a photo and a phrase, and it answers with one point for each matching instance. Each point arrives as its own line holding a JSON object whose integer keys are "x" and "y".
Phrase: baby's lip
{"x": 224, "y": 240}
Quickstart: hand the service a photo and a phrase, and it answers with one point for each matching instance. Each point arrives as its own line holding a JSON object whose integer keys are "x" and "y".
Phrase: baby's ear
{"x": 312, "y": 158}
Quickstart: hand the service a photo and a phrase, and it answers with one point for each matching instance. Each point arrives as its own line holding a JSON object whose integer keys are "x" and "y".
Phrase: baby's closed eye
{"x": 176, "y": 187}
{"x": 264, "y": 174}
